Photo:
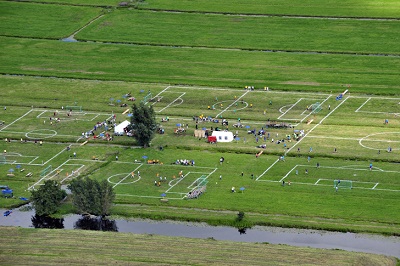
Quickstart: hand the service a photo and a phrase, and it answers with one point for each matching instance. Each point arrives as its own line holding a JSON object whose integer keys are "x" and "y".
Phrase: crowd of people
{"x": 197, "y": 192}
{"x": 184, "y": 162}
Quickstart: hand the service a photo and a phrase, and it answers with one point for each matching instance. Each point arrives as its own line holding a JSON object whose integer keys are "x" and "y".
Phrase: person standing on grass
{"x": 370, "y": 166}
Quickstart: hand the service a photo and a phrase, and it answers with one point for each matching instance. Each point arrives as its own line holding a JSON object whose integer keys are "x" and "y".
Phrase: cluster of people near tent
{"x": 203, "y": 118}
{"x": 104, "y": 126}
{"x": 195, "y": 193}
{"x": 184, "y": 162}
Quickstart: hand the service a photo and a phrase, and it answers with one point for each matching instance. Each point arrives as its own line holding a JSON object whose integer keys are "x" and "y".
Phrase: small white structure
{"x": 119, "y": 129}
{"x": 223, "y": 136}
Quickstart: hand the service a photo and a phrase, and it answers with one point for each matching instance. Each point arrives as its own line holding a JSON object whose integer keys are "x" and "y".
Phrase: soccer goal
{"x": 74, "y": 108}
{"x": 316, "y": 108}
{"x": 3, "y": 160}
{"x": 46, "y": 171}
{"x": 343, "y": 184}
{"x": 147, "y": 98}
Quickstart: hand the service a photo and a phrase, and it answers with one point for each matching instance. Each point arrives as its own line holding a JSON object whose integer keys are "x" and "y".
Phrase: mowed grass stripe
{"x": 331, "y": 8}
{"x": 102, "y": 3}
{"x": 42, "y": 20}
{"x": 63, "y": 247}
{"x": 246, "y": 32}
{"x": 198, "y": 66}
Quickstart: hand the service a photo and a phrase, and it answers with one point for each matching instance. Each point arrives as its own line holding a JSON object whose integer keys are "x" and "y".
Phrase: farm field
{"x": 310, "y": 100}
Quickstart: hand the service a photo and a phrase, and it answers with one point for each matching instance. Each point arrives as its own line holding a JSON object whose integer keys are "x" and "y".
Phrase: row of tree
{"x": 88, "y": 197}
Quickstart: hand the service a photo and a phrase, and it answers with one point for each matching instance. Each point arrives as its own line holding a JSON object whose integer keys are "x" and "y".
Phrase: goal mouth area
{"x": 343, "y": 184}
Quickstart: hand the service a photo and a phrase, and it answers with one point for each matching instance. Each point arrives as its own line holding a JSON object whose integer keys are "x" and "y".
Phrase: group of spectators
{"x": 184, "y": 162}
{"x": 194, "y": 194}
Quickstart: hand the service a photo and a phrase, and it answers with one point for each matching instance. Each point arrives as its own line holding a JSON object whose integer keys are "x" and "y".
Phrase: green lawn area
{"x": 43, "y": 21}
{"x": 196, "y": 66}
{"x": 331, "y": 8}
{"x": 58, "y": 247}
{"x": 358, "y": 142}
{"x": 260, "y": 33}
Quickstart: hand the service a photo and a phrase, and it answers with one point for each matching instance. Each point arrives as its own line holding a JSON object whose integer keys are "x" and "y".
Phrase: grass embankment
{"x": 37, "y": 247}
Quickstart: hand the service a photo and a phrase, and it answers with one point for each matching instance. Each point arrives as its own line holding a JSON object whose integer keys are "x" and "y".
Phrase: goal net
{"x": 3, "y": 160}
{"x": 74, "y": 108}
{"x": 343, "y": 184}
{"x": 316, "y": 108}
{"x": 147, "y": 98}
{"x": 46, "y": 171}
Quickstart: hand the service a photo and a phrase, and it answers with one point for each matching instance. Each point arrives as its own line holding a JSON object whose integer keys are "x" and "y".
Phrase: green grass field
{"x": 60, "y": 247}
{"x": 197, "y": 64}
{"x": 262, "y": 177}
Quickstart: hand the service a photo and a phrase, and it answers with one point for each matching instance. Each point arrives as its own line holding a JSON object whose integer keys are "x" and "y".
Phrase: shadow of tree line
{"x": 97, "y": 223}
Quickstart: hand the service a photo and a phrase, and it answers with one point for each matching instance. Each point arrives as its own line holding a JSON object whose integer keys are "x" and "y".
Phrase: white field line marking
{"x": 375, "y": 185}
{"x": 319, "y": 123}
{"x": 277, "y": 160}
{"x": 310, "y": 113}
{"x": 27, "y": 113}
{"x": 363, "y": 104}
{"x": 369, "y": 112}
{"x": 244, "y": 94}
{"x": 94, "y": 117}
{"x": 287, "y": 174}
{"x": 379, "y": 98}
{"x": 76, "y": 173}
{"x": 163, "y": 91}
{"x": 53, "y": 157}
{"x": 177, "y": 182}
{"x": 333, "y": 137}
{"x": 40, "y": 115}
{"x": 317, "y": 181}
{"x": 150, "y": 197}
{"x": 58, "y": 135}
{"x": 171, "y": 103}
{"x": 128, "y": 175}
{"x": 375, "y": 169}
{"x": 255, "y": 91}
{"x": 33, "y": 160}
{"x": 299, "y": 100}
{"x": 381, "y": 189}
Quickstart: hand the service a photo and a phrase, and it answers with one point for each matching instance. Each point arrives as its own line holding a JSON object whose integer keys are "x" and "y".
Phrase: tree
{"x": 143, "y": 124}
{"x": 91, "y": 196}
{"x": 47, "y": 199}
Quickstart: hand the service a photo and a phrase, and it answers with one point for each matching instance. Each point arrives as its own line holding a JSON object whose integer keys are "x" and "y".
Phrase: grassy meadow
{"x": 239, "y": 32}
{"x": 197, "y": 62}
{"x": 319, "y": 8}
{"x": 62, "y": 247}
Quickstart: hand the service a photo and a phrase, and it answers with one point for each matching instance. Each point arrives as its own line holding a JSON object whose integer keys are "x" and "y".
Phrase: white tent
{"x": 223, "y": 136}
{"x": 119, "y": 129}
